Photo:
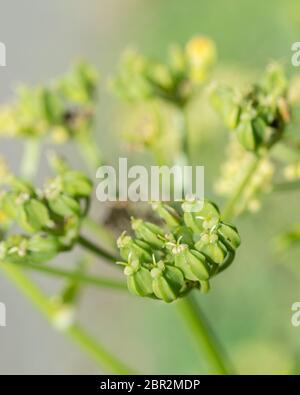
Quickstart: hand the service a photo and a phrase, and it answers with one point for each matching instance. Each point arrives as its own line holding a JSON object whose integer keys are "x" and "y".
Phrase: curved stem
{"x": 90, "y": 246}
{"x": 74, "y": 275}
{"x": 229, "y": 209}
{"x": 202, "y": 332}
{"x": 74, "y": 331}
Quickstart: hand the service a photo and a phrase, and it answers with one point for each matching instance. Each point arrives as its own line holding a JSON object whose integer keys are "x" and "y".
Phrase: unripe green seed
{"x": 167, "y": 283}
{"x": 148, "y": 232}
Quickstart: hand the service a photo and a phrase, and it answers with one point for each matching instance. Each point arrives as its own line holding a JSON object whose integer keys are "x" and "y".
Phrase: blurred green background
{"x": 249, "y": 305}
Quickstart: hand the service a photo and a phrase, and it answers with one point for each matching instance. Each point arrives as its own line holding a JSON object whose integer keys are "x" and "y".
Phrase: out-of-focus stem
{"x": 81, "y": 278}
{"x": 95, "y": 249}
{"x": 50, "y": 310}
{"x": 229, "y": 209}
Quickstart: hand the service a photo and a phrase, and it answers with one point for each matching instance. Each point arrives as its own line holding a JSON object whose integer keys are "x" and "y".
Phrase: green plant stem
{"x": 185, "y": 134}
{"x": 49, "y": 309}
{"x": 208, "y": 344}
{"x": 229, "y": 209}
{"x": 100, "y": 232}
{"x": 30, "y": 159}
{"x": 74, "y": 275}
{"x": 89, "y": 151}
{"x": 95, "y": 249}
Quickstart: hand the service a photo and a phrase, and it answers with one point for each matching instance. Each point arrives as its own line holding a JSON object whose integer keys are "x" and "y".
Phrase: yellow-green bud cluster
{"x": 259, "y": 117}
{"x": 175, "y": 81}
{"x": 50, "y": 218}
{"x": 165, "y": 262}
{"x": 59, "y": 111}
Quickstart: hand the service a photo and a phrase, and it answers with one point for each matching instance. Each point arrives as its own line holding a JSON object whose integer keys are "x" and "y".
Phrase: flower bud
{"x": 201, "y": 55}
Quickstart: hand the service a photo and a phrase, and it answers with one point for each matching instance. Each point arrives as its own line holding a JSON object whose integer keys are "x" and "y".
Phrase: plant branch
{"x": 101, "y": 232}
{"x": 203, "y": 334}
{"x": 93, "y": 248}
{"x": 74, "y": 331}
{"x": 229, "y": 209}
{"x": 75, "y": 275}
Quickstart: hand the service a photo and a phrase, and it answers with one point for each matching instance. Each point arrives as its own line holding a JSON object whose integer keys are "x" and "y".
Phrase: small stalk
{"x": 100, "y": 232}
{"x": 208, "y": 345}
{"x": 229, "y": 209}
{"x": 95, "y": 249}
{"x": 49, "y": 309}
{"x": 96, "y": 281}
{"x": 30, "y": 159}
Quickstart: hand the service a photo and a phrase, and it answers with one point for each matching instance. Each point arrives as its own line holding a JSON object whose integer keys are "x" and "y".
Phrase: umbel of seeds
{"x": 192, "y": 247}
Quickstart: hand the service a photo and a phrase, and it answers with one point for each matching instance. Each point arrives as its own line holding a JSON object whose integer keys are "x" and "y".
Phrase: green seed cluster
{"x": 175, "y": 81}
{"x": 167, "y": 262}
{"x": 50, "y": 218}
{"x": 59, "y": 110}
{"x": 259, "y": 117}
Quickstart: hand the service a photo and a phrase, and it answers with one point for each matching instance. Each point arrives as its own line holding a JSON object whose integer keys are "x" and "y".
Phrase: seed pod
{"x": 139, "y": 280}
{"x": 76, "y": 184}
{"x": 34, "y": 216}
{"x": 167, "y": 213}
{"x": 210, "y": 245}
{"x": 42, "y": 248}
{"x": 137, "y": 248}
{"x": 230, "y": 235}
{"x": 224, "y": 101}
{"x": 167, "y": 282}
{"x": 245, "y": 135}
{"x": 148, "y": 232}
{"x": 184, "y": 234}
{"x": 192, "y": 263}
{"x": 64, "y": 205}
{"x": 204, "y": 218}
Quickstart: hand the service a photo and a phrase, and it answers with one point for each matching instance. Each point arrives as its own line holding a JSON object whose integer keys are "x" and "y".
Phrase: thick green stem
{"x": 230, "y": 207}
{"x": 96, "y": 281}
{"x": 50, "y": 310}
{"x": 30, "y": 159}
{"x": 208, "y": 345}
{"x": 95, "y": 249}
